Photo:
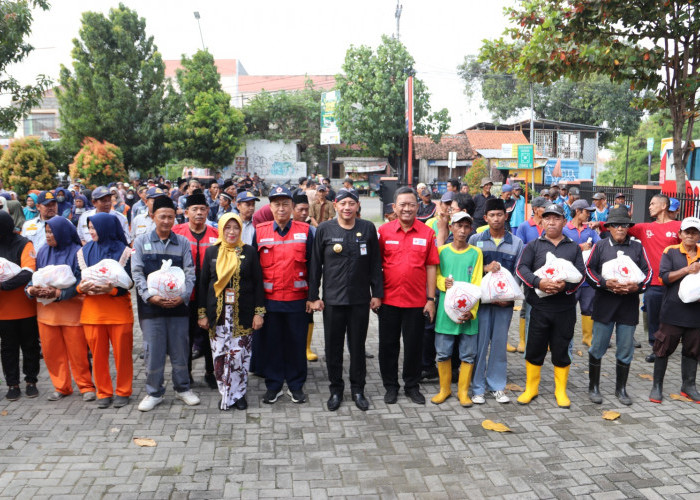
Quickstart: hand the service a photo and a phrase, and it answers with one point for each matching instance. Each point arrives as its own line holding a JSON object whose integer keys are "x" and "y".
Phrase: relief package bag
{"x": 168, "y": 281}
{"x": 622, "y": 269}
{"x": 689, "y": 289}
{"x": 558, "y": 270}
{"x": 107, "y": 271}
{"x": 460, "y": 298}
{"x": 500, "y": 286}
{"x": 60, "y": 276}
{"x": 8, "y": 270}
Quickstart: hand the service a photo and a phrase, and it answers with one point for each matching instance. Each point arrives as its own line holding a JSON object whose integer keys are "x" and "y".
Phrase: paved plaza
{"x": 70, "y": 449}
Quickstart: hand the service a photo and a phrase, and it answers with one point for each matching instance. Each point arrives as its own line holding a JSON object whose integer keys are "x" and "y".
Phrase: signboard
{"x": 329, "y": 125}
{"x": 650, "y": 144}
{"x": 526, "y": 156}
{"x": 451, "y": 161}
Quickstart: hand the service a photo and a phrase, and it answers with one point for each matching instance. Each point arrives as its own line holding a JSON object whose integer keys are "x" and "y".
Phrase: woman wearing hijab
{"x": 65, "y": 202}
{"x": 107, "y": 316}
{"x": 80, "y": 205}
{"x": 62, "y": 336}
{"x": 18, "y": 328}
{"x": 14, "y": 207}
{"x": 231, "y": 307}
{"x": 30, "y": 211}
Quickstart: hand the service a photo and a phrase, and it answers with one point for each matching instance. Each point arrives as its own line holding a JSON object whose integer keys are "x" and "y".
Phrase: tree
{"x": 652, "y": 45}
{"x": 593, "y": 101}
{"x": 15, "y": 24}
{"x": 59, "y": 155}
{"x": 371, "y": 109}
{"x": 473, "y": 177}
{"x": 206, "y": 127}
{"x": 115, "y": 92}
{"x": 25, "y": 165}
{"x": 98, "y": 163}
{"x": 657, "y": 126}
{"x": 288, "y": 116}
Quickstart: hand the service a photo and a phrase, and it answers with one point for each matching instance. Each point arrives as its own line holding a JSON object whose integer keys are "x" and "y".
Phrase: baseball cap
{"x": 456, "y": 217}
{"x": 539, "y": 201}
{"x": 45, "y": 197}
{"x": 674, "y": 204}
{"x": 506, "y": 188}
{"x": 321, "y": 187}
{"x": 553, "y": 208}
{"x": 485, "y": 181}
{"x": 574, "y": 190}
{"x": 448, "y": 197}
{"x": 581, "y": 205}
{"x": 689, "y": 222}
{"x": 154, "y": 192}
{"x": 620, "y": 195}
{"x": 425, "y": 192}
{"x": 100, "y": 192}
{"x": 599, "y": 196}
{"x": 517, "y": 186}
{"x": 280, "y": 192}
{"x": 544, "y": 192}
{"x": 246, "y": 196}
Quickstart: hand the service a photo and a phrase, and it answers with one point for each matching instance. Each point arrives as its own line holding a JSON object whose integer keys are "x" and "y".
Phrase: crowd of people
{"x": 250, "y": 279}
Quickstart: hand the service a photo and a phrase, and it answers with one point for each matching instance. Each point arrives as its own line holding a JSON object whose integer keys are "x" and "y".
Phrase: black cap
{"x": 300, "y": 198}
{"x": 347, "y": 193}
{"x": 196, "y": 199}
{"x": 162, "y": 202}
{"x": 555, "y": 209}
{"x": 495, "y": 204}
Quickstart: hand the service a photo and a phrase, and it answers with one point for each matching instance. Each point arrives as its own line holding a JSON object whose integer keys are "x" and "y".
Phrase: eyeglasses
{"x": 619, "y": 226}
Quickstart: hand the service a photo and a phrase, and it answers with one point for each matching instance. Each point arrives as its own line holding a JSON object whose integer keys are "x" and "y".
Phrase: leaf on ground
{"x": 3, "y": 413}
{"x": 646, "y": 376}
{"x": 611, "y": 415}
{"x": 678, "y": 397}
{"x": 114, "y": 429}
{"x": 490, "y": 425}
{"x": 148, "y": 442}
{"x": 514, "y": 388}
{"x": 579, "y": 353}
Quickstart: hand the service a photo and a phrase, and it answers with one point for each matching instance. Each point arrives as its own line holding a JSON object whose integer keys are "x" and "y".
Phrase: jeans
{"x": 444, "y": 345}
{"x": 494, "y": 322}
{"x": 652, "y": 303}
{"x": 166, "y": 336}
{"x": 624, "y": 337}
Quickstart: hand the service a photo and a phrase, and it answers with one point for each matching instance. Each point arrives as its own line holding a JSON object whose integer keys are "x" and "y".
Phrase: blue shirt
{"x": 528, "y": 231}
{"x": 518, "y": 214}
{"x": 598, "y": 216}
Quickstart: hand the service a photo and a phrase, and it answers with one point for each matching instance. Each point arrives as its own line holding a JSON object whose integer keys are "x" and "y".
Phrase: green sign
{"x": 650, "y": 144}
{"x": 526, "y": 156}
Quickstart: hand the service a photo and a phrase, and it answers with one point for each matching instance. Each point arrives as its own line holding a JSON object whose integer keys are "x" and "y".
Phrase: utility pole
{"x": 532, "y": 134}
{"x": 397, "y": 15}
{"x": 196, "y": 16}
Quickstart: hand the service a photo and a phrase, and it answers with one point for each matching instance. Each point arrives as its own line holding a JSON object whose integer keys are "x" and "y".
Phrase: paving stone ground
{"x": 70, "y": 449}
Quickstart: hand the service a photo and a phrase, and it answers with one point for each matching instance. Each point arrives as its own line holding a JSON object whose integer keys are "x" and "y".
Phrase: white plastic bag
{"x": 8, "y": 270}
{"x": 587, "y": 253}
{"x": 168, "y": 282}
{"x": 107, "y": 271}
{"x": 460, "y": 298}
{"x": 500, "y": 286}
{"x": 60, "y": 276}
{"x": 689, "y": 289}
{"x": 559, "y": 270}
{"x": 622, "y": 269}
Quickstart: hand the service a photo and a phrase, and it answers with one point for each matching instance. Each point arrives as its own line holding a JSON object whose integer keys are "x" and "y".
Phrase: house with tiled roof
{"x": 499, "y": 148}
{"x": 432, "y": 157}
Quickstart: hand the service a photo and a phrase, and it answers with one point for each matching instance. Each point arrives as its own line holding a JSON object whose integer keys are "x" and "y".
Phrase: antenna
{"x": 397, "y": 15}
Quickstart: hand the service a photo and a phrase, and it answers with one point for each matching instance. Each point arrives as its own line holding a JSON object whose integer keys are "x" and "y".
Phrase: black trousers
{"x": 196, "y": 333}
{"x": 394, "y": 323}
{"x": 550, "y": 329}
{"x": 283, "y": 349}
{"x": 16, "y": 334}
{"x": 337, "y": 320}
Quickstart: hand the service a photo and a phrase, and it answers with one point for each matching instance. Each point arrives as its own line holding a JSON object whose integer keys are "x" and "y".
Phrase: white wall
{"x": 276, "y": 161}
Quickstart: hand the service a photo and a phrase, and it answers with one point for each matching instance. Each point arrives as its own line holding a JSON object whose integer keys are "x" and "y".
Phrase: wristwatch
{"x": 433, "y": 299}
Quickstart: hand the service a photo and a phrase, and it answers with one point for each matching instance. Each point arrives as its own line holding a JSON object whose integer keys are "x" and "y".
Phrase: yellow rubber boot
{"x": 310, "y": 355}
{"x": 521, "y": 345}
{"x": 532, "y": 384}
{"x": 561, "y": 376}
{"x": 510, "y": 348}
{"x": 445, "y": 372}
{"x": 465, "y": 379}
{"x": 587, "y": 330}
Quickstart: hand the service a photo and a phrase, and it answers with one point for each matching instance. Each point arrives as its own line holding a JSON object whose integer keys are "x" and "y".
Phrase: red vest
{"x": 283, "y": 261}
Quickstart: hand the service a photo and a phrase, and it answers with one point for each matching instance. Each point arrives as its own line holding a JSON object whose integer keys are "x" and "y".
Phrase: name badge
{"x": 212, "y": 239}
{"x": 300, "y": 236}
{"x": 391, "y": 242}
{"x": 419, "y": 241}
{"x": 363, "y": 249}
{"x": 147, "y": 246}
{"x": 230, "y": 296}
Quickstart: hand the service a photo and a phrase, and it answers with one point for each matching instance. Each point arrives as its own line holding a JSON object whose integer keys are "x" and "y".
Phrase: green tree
{"x": 473, "y": 177}
{"x": 593, "y": 101}
{"x": 205, "y": 126}
{"x": 59, "y": 155}
{"x": 115, "y": 92}
{"x": 371, "y": 110}
{"x": 98, "y": 163}
{"x": 25, "y": 165}
{"x": 15, "y": 25}
{"x": 652, "y": 45}
{"x": 288, "y": 116}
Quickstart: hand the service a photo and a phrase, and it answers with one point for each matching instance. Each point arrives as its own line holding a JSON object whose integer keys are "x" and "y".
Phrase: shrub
{"x": 98, "y": 163}
{"x": 26, "y": 165}
{"x": 473, "y": 177}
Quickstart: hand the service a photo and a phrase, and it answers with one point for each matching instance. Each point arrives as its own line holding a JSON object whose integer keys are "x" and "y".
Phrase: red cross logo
{"x": 461, "y": 303}
{"x": 625, "y": 271}
{"x": 500, "y": 285}
{"x": 170, "y": 285}
{"x": 103, "y": 270}
{"x": 550, "y": 271}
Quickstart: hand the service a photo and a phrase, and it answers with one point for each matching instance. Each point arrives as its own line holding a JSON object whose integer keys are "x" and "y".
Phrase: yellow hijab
{"x": 228, "y": 260}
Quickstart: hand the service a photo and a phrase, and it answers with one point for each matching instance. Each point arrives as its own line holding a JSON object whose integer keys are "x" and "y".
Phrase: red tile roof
{"x": 256, "y": 83}
{"x": 425, "y": 149}
{"x": 225, "y": 67}
{"x": 493, "y": 139}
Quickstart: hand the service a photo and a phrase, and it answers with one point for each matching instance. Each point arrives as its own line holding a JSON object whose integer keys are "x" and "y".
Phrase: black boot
{"x": 594, "y": 379}
{"x": 689, "y": 368}
{"x": 656, "y": 394}
{"x": 623, "y": 370}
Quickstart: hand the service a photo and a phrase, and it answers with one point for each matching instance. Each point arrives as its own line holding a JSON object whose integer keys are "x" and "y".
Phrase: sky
{"x": 272, "y": 37}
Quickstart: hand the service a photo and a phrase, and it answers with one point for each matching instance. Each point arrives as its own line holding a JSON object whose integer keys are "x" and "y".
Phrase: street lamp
{"x": 196, "y": 16}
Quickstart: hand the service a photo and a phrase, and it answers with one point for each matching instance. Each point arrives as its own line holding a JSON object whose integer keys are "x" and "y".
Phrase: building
{"x": 42, "y": 121}
{"x": 432, "y": 157}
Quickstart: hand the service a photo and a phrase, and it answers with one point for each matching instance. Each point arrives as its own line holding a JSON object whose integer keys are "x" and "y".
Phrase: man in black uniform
{"x": 346, "y": 255}
{"x": 480, "y": 202}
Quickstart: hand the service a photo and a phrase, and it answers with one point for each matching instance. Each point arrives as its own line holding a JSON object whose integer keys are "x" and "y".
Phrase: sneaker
{"x": 150, "y": 402}
{"x": 271, "y": 396}
{"x": 297, "y": 396}
{"x": 55, "y": 396}
{"x": 31, "y": 391}
{"x": 103, "y": 403}
{"x": 500, "y": 397}
{"x": 89, "y": 396}
{"x": 188, "y": 397}
{"x": 478, "y": 399}
{"x": 120, "y": 401}
{"x": 14, "y": 393}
